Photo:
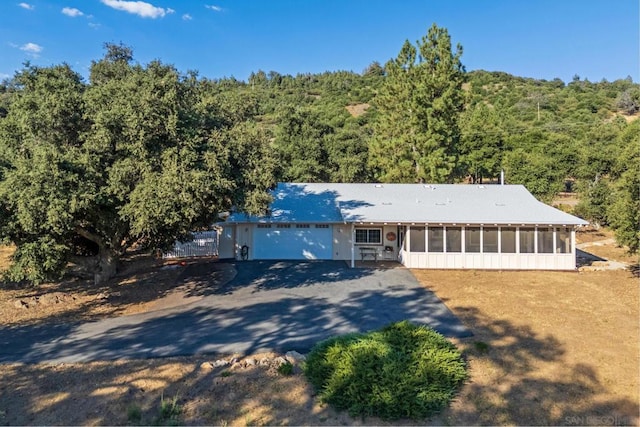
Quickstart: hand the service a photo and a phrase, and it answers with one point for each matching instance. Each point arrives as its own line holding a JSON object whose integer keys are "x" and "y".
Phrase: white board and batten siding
{"x": 461, "y": 261}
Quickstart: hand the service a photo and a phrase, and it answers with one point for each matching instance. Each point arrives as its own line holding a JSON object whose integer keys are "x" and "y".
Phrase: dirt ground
{"x": 558, "y": 348}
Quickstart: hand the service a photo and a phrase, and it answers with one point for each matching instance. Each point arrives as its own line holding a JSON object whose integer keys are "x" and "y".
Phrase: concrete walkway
{"x": 268, "y": 306}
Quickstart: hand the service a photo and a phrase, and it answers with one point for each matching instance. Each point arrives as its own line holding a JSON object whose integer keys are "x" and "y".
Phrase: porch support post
{"x": 573, "y": 246}
{"x": 353, "y": 248}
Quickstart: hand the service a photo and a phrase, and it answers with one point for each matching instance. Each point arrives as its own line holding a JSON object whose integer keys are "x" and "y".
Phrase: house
{"x": 441, "y": 226}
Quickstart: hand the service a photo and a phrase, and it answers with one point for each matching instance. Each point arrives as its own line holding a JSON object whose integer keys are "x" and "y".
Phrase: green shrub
{"x": 285, "y": 369}
{"x": 134, "y": 414}
{"x": 169, "y": 411}
{"x": 481, "y": 346}
{"x": 400, "y": 371}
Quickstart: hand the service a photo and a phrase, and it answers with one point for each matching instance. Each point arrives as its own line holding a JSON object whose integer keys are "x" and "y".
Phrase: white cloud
{"x": 213, "y": 7}
{"x": 140, "y": 8}
{"x": 94, "y": 25}
{"x": 31, "y": 48}
{"x": 72, "y": 12}
{"x": 26, "y": 6}
{"x": 187, "y": 17}
{"x": 4, "y": 76}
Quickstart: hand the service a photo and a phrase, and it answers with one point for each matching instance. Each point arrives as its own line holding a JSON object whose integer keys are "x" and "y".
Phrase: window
{"x": 490, "y": 240}
{"x": 508, "y": 240}
{"x": 302, "y": 225}
{"x": 527, "y": 242}
{"x": 436, "y": 239}
{"x": 454, "y": 239}
{"x": 322, "y": 225}
{"x": 284, "y": 225}
{"x": 264, "y": 225}
{"x": 545, "y": 240}
{"x": 563, "y": 241}
{"x": 369, "y": 236}
{"x": 472, "y": 239}
{"x": 416, "y": 239}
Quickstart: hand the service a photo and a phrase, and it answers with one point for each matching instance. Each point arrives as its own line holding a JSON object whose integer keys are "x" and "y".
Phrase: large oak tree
{"x": 140, "y": 156}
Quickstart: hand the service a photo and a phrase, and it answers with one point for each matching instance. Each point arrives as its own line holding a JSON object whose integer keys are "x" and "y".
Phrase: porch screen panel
{"x": 454, "y": 239}
{"x": 563, "y": 241}
{"x": 472, "y": 239}
{"x": 490, "y": 240}
{"x": 436, "y": 239}
{"x": 416, "y": 239}
{"x": 545, "y": 240}
{"x": 508, "y": 240}
{"x": 527, "y": 241}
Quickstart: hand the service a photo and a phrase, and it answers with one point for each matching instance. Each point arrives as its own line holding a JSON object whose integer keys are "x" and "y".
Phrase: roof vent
{"x": 482, "y": 187}
{"x": 386, "y": 203}
{"x": 501, "y": 204}
{"x": 429, "y": 187}
{"x": 378, "y": 186}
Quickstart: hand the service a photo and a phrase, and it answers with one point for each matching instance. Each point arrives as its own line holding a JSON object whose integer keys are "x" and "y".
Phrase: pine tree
{"x": 416, "y": 134}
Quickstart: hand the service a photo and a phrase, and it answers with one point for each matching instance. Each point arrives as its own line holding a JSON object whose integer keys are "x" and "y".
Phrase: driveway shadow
{"x": 269, "y": 306}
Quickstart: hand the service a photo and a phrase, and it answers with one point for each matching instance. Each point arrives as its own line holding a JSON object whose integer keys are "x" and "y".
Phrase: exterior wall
{"x": 342, "y": 237}
{"x": 386, "y": 232}
{"x": 244, "y": 236}
{"x": 491, "y": 261}
{"x": 342, "y": 242}
{"x": 227, "y": 241}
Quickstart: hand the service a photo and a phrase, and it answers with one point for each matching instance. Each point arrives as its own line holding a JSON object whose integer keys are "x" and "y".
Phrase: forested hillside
{"x": 141, "y": 154}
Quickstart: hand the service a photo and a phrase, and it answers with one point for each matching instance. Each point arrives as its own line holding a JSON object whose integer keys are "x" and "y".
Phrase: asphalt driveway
{"x": 268, "y": 306}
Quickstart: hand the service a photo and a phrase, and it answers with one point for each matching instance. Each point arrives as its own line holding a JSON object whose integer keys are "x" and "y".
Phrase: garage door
{"x": 292, "y": 241}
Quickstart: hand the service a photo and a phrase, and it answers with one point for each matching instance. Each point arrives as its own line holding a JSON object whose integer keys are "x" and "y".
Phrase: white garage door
{"x": 292, "y": 241}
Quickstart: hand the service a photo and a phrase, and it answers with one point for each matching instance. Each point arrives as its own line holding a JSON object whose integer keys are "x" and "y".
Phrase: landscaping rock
{"x": 294, "y": 357}
{"x": 279, "y": 361}
{"x": 250, "y": 362}
{"x": 220, "y": 363}
{"x": 20, "y": 304}
{"x": 207, "y": 366}
{"x": 48, "y": 299}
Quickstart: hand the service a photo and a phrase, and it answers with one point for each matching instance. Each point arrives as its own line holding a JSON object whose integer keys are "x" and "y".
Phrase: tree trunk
{"x": 107, "y": 266}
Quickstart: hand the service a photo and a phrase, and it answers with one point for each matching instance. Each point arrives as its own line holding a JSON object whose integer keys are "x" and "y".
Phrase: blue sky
{"x": 594, "y": 39}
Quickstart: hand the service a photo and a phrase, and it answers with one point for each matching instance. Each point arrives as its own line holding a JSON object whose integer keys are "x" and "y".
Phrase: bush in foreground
{"x": 400, "y": 371}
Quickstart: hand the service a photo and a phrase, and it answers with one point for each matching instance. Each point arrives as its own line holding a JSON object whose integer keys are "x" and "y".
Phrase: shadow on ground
{"x": 269, "y": 306}
{"x": 268, "y": 275}
{"x": 47, "y": 394}
{"x": 284, "y": 323}
{"x": 514, "y": 392}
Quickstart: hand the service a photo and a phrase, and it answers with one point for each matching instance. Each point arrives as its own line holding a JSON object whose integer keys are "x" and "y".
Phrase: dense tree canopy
{"x": 135, "y": 157}
{"x": 140, "y": 155}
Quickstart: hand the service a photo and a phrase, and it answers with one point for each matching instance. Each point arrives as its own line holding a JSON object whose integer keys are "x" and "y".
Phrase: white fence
{"x": 204, "y": 243}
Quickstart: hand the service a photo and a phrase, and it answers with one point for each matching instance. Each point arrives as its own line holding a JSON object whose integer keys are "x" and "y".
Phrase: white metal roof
{"x": 409, "y": 203}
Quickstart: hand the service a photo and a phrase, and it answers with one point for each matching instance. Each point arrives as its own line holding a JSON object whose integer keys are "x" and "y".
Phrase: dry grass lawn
{"x": 548, "y": 348}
